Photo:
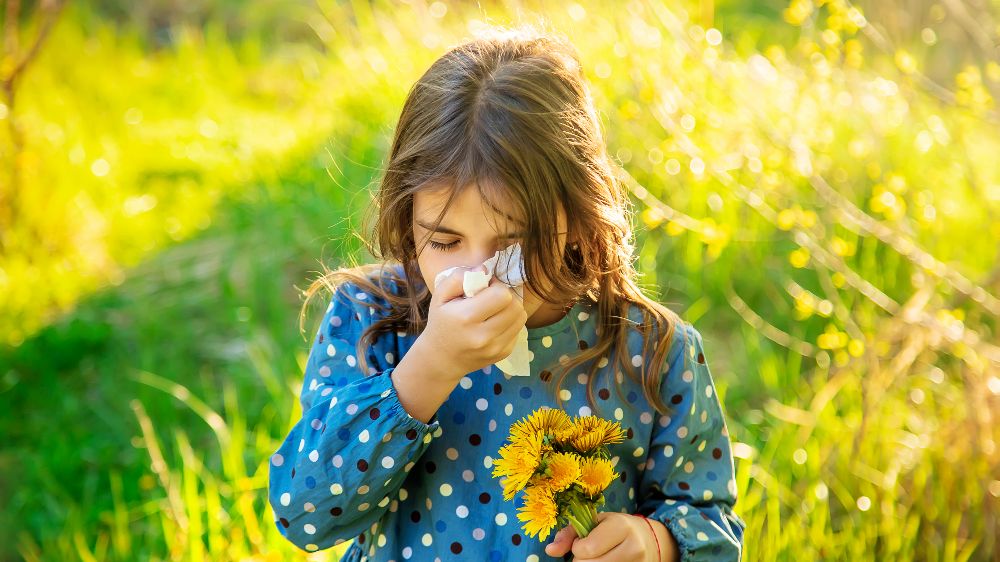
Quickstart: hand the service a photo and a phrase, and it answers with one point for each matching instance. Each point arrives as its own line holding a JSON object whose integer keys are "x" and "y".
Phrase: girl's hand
{"x": 618, "y": 537}
{"x": 471, "y": 333}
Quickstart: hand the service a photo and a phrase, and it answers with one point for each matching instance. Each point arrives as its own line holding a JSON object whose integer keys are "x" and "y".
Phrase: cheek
{"x": 430, "y": 265}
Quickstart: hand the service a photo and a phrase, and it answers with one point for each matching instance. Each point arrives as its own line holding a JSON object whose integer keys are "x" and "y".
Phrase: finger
{"x": 492, "y": 301}
{"x": 562, "y": 542}
{"x": 604, "y": 537}
{"x": 505, "y": 329}
{"x": 506, "y": 282}
{"x": 622, "y": 552}
{"x": 506, "y": 307}
{"x": 512, "y": 329}
{"x": 449, "y": 287}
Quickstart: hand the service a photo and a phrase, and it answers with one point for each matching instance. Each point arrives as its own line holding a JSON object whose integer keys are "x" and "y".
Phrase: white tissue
{"x": 508, "y": 266}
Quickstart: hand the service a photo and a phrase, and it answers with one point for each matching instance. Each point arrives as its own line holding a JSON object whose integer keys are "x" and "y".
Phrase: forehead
{"x": 470, "y": 203}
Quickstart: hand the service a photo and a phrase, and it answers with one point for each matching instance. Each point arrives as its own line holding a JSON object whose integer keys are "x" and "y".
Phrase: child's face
{"x": 468, "y": 232}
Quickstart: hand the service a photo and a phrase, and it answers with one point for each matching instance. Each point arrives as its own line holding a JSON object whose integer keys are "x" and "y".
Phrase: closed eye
{"x": 451, "y": 245}
{"x": 443, "y": 247}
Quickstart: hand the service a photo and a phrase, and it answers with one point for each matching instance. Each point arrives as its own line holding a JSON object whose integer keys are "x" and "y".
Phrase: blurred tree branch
{"x": 14, "y": 63}
{"x": 976, "y": 26}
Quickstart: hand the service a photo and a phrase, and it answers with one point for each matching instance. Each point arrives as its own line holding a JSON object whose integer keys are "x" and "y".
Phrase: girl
{"x": 403, "y": 409}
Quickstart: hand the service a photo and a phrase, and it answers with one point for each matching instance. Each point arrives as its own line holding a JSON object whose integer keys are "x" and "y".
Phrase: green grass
{"x": 837, "y": 249}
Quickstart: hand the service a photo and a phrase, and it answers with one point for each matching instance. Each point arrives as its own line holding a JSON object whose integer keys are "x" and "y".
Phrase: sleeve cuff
{"x": 426, "y": 430}
{"x": 698, "y": 537}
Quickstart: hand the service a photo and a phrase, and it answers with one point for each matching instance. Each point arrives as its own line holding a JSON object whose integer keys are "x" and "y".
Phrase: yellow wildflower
{"x": 564, "y": 469}
{"x": 539, "y": 511}
{"x": 596, "y": 474}
{"x": 591, "y": 432}
{"x": 552, "y": 458}
{"x": 518, "y": 462}
{"x": 545, "y": 420}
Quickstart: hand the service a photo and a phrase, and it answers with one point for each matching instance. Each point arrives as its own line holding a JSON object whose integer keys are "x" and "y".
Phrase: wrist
{"x": 669, "y": 551}
{"x": 437, "y": 370}
{"x": 420, "y": 386}
{"x": 658, "y": 556}
{"x": 665, "y": 543}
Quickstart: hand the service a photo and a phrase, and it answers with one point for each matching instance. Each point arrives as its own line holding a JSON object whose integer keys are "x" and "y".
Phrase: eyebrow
{"x": 447, "y": 230}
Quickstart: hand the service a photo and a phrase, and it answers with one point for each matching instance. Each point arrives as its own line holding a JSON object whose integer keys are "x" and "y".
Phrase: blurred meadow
{"x": 817, "y": 187}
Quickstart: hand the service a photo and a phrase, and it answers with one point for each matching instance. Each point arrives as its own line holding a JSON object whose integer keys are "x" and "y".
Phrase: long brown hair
{"x": 511, "y": 113}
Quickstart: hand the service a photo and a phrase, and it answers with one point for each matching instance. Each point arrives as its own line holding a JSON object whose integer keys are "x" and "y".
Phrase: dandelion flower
{"x": 545, "y": 420}
{"x": 539, "y": 512}
{"x": 518, "y": 462}
{"x": 564, "y": 470}
{"x": 596, "y": 474}
{"x": 591, "y": 432}
{"x": 561, "y": 464}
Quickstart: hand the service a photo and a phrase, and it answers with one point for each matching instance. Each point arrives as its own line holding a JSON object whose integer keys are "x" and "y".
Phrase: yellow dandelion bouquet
{"x": 562, "y": 465}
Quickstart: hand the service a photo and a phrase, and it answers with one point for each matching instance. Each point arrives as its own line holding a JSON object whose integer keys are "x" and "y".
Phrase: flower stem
{"x": 580, "y": 528}
{"x": 592, "y": 511}
{"x": 584, "y": 516}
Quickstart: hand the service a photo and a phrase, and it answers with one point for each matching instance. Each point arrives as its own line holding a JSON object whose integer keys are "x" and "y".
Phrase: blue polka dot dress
{"x": 358, "y": 467}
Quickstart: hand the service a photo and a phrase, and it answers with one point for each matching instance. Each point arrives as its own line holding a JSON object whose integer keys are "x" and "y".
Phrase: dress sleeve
{"x": 344, "y": 461}
{"x": 689, "y": 483}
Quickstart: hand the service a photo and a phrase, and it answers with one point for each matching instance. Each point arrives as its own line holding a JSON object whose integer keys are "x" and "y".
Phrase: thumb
{"x": 562, "y": 543}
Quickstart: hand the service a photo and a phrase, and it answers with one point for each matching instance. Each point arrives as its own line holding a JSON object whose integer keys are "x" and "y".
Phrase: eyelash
{"x": 443, "y": 247}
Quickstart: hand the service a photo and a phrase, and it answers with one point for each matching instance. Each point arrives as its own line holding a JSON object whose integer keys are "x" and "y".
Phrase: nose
{"x": 480, "y": 254}
{"x": 477, "y": 265}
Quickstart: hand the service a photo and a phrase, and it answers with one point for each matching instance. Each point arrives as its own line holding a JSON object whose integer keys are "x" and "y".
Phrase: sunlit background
{"x": 817, "y": 186}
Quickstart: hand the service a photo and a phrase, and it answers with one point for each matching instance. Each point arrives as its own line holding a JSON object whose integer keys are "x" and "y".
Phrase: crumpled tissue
{"x": 508, "y": 266}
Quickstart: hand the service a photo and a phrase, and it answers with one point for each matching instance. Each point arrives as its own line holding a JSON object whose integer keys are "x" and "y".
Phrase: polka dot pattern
{"x": 689, "y": 450}
{"x": 357, "y": 467}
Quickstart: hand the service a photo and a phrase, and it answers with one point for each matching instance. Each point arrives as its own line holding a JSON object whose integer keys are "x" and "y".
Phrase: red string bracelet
{"x": 657, "y": 539}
